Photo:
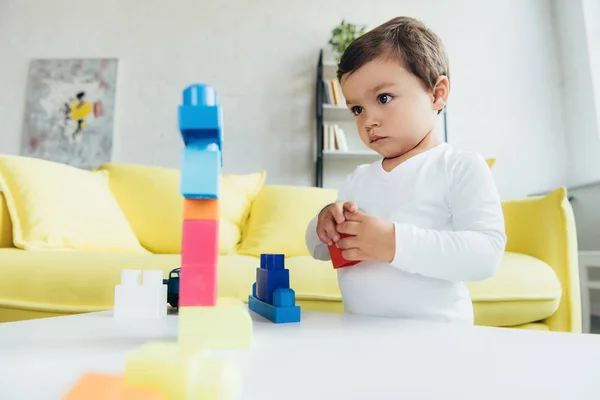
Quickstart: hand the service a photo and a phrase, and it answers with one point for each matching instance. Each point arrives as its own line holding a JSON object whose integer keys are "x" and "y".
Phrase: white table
{"x": 326, "y": 356}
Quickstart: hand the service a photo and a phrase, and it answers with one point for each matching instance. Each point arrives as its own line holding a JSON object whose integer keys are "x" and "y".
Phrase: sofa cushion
{"x": 524, "y": 290}
{"x": 150, "y": 198}
{"x": 57, "y": 206}
{"x": 6, "y": 239}
{"x": 279, "y": 217}
{"x": 54, "y": 283}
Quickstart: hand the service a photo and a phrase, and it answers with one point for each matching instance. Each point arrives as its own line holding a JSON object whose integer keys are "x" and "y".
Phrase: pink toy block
{"x": 198, "y": 285}
{"x": 200, "y": 242}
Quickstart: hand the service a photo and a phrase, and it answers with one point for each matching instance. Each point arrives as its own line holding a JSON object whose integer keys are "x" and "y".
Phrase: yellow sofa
{"x": 537, "y": 286}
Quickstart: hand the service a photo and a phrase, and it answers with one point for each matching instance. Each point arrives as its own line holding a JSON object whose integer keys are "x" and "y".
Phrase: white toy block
{"x": 135, "y": 299}
{"x": 130, "y": 277}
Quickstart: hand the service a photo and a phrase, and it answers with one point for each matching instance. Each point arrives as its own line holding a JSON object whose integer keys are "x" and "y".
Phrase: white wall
{"x": 261, "y": 57}
{"x": 592, "y": 24}
{"x": 581, "y": 122}
{"x": 578, "y": 30}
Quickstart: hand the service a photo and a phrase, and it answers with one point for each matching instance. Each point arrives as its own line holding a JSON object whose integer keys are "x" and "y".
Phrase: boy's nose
{"x": 371, "y": 119}
{"x": 372, "y": 122}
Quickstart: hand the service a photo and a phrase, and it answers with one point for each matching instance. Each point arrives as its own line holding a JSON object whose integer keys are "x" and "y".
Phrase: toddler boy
{"x": 426, "y": 217}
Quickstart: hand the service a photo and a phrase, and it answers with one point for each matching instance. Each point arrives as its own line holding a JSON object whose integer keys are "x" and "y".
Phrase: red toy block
{"x": 97, "y": 386}
{"x": 200, "y": 242}
{"x": 198, "y": 285}
{"x": 336, "y": 256}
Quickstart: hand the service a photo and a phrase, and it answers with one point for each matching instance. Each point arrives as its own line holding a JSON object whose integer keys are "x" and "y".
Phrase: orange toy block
{"x": 201, "y": 209}
{"x": 96, "y": 386}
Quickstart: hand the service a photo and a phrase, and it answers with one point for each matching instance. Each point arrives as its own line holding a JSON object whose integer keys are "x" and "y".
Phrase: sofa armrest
{"x": 6, "y": 237}
{"x": 544, "y": 227}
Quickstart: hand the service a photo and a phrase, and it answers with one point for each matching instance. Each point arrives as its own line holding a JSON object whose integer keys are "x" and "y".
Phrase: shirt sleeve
{"x": 315, "y": 246}
{"x": 474, "y": 249}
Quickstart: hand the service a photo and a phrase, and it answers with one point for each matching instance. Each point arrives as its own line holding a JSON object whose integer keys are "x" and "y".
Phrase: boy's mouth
{"x": 375, "y": 139}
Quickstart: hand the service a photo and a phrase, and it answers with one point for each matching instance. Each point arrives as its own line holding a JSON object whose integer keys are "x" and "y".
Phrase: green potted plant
{"x": 344, "y": 34}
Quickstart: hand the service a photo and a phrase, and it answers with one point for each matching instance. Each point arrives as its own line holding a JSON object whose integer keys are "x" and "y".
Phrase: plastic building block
{"x": 200, "y": 173}
{"x": 200, "y": 117}
{"x": 336, "y": 256}
{"x": 198, "y": 285}
{"x": 272, "y": 261}
{"x": 271, "y": 275}
{"x": 200, "y": 242}
{"x": 283, "y": 310}
{"x": 201, "y": 209}
{"x": 200, "y": 123}
{"x": 268, "y": 280}
{"x": 271, "y": 294}
{"x": 284, "y": 298}
{"x": 147, "y": 299}
{"x": 225, "y": 326}
{"x": 216, "y": 379}
{"x": 164, "y": 367}
{"x": 97, "y": 386}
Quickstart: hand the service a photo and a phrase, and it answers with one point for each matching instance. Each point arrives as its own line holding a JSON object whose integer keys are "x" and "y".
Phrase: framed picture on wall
{"x": 69, "y": 111}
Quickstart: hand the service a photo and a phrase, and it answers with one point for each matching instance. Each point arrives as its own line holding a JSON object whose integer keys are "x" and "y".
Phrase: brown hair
{"x": 402, "y": 38}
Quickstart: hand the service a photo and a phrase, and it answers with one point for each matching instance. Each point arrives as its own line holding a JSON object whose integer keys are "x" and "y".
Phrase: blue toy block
{"x": 201, "y": 123}
{"x": 284, "y": 298}
{"x": 200, "y": 117}
{"x": 199, "y": 94}
{"x": 200, "y": 173}
{"x": 272, "y": 261}
{"x": 277, "y": 314}
{"x": 269, "y": 280}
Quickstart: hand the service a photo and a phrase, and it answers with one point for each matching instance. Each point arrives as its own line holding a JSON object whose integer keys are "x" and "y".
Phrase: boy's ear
{"x": 441, "y": 92}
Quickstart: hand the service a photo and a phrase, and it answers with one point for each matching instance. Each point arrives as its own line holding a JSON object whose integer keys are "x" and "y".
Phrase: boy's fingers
{"x": 327, "y": 232}
{"x": 323, "y": 237}
{"x": 348, "y": 243}
{"x": 353, "y": 216}
{"x": 350, "y": 206}
{"x": 337, "y": 211}
{"x": 349, "y": 227}
{"x": 353, "y": 254}
{"x": 332, "y": 232}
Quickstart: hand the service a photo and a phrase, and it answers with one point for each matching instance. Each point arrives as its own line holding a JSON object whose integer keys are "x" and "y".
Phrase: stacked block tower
{"x": 200, "y": 126}
{"x": 205, "y": 321}
{"x": 188, "y": 369}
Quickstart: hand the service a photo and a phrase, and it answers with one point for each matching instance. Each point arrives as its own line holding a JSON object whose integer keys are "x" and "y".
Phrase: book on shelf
{"x": 332, "y": 93}
{"x": 334, "y": 138}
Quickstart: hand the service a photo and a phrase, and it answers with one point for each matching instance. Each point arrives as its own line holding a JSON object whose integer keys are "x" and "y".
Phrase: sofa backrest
{"x": 6, "y": 239}
{"x": 254, "y": 218}
{"x": 279, "y": 217}
{"x": 151, "y": 201}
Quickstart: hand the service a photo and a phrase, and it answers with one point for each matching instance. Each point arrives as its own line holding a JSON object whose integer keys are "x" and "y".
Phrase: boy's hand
{"x": 331, "y": 216}
{"x": 372, "y": 238}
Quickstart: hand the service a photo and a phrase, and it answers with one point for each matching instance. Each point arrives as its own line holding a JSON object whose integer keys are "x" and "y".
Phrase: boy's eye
{"x": 384, "y": 98}
{"x": 356, "y": 110}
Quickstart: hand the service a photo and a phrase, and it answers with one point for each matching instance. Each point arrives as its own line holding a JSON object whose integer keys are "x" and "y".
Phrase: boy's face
{"x": 393, "y": 109}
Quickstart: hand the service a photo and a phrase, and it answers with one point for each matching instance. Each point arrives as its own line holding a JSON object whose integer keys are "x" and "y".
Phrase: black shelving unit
{"x": 320, "y": 127}
{"x": 319, "y": 130}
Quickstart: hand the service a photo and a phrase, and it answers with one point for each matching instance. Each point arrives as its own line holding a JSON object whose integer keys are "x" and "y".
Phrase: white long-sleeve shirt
{"x": 449, "y": 229}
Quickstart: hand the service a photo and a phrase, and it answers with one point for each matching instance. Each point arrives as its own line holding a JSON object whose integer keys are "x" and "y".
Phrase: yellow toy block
{"x": 216, "y": 378}
{"x": 163, "y": 366}
{"x": 226, "y": 326}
